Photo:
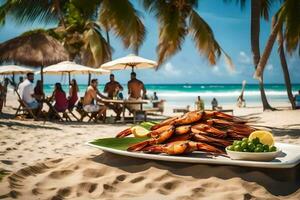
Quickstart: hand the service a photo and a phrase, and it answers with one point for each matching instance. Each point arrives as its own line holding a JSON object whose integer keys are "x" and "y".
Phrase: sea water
{"x": 179, "y": 95}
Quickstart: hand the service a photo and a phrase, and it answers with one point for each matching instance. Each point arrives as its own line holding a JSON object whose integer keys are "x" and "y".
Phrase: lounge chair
{"x": 181, "y": 110}
{"x": 24, "y": 108}
{"x": 158, "y": 106}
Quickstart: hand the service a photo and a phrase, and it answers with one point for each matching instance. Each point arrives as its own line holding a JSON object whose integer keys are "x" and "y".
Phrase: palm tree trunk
{"x": 255, "y": 29}
{"x": 268, "y": 49}
{"x": 285, "y": 69}
{"x": 108, "y": 41}
{"x": 59, "y": 12}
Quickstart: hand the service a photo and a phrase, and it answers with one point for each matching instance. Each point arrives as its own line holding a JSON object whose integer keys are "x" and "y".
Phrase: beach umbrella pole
{"x": 69, "y": 74}
{"x": 42, "y": 75}
{"x": 89, "y": 79}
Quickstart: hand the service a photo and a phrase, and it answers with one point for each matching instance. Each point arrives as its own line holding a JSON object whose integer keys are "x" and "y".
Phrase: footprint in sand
{"x": 87, "y": 187}
{"x": 60, "y": 174}
{"x": 7, "y": 162}
{"x": 121, "y": 177}
{"x": 137, "y": 179}
{"x": 64, "y": 192}
{"x": 93, "y": 173}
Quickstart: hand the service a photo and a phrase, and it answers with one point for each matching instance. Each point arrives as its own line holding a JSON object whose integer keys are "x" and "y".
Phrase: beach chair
{"x": 24, "y": 108}
{"x": 83, "y": 114}
{"x": 57, "y": 114}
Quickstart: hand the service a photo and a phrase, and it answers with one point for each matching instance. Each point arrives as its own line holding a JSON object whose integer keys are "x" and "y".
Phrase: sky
{"x": 231, "y": 26}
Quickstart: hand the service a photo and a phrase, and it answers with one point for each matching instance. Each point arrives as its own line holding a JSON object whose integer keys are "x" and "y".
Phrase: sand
{"x": 50, "y": 161}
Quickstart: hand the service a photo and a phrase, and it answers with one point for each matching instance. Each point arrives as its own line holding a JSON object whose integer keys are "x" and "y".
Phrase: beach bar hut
{"x": 68, "y": 67}
{"x": 33, "y": 49}
{"x": 130, "y": 61}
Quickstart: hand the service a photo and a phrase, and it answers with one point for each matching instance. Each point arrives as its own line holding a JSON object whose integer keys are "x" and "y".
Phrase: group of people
{"x": 199, "y": 104}
{"x": 136, "y": 91}
{"x": 34, "y": 96}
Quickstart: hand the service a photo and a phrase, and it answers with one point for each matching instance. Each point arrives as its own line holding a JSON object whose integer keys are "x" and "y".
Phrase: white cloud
{"x": 216, "y": 69}
{"x": 269, "y": 67}
{"x": 169, "y": 69}
{"x": 244, "y": 58}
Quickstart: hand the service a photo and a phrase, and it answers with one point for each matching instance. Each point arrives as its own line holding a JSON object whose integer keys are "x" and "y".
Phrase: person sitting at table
{"x": 91, "y": 96}
{"x": 73, "y": 92}
{"x": 136, "y": 90}
{"x": 26, "y": 91}
{"x": 297, "y": 100}
{"x": 112, "y": 88}
{"x": 38, "y": 91}
{"x": 60, "y": 98}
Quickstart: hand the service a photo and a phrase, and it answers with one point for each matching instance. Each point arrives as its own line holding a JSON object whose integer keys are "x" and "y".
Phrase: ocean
{"x": 179, "y": 95}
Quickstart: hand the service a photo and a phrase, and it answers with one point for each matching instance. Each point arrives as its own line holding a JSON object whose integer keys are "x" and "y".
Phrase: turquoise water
{"x": 185, "y": 94}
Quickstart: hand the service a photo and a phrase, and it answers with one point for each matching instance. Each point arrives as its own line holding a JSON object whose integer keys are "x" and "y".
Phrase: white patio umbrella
{"x": 68, "y": 67}
{"x": 13, "y": 70}
{"x": 131, "y": 60}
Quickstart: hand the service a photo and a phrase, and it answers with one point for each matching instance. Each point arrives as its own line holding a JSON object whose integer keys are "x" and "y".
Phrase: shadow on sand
{"x": 27, "y": 125}
{"x": 277, "y": 181}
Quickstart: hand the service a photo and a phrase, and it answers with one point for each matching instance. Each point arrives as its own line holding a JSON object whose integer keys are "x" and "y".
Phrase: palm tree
{"x": 258, "y": 8}
{"x": 177, "y": 19}
{"x": 77, "y": 24}
{"x": 288, "y": 17}
{"x": 285, "y": 68}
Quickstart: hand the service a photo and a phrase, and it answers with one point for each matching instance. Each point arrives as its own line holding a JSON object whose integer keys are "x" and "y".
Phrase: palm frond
{"x": 95, "y": 50}
{"x": 204, "y": 38}
{"x": 172, "y": 32}
{"x": 24, "y": 11}
{"x": 121, "y": 17}
{"x": 290, "y": 16}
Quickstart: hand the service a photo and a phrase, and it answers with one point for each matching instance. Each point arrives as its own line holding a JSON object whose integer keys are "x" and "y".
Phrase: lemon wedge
{"x": 265, "y": 137}
{"x": 139, "y": 131}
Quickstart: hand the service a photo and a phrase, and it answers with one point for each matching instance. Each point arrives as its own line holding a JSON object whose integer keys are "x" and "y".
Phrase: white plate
{"x": 261, "y": 156}
{"x": 287, "y": 158}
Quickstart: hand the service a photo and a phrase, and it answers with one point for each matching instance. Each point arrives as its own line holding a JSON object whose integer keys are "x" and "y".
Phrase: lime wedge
{"x": 139, "y": 131}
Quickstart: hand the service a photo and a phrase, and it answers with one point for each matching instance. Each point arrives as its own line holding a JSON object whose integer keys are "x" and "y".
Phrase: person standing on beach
{"x": 199, "y": 104}
{"x": 91, "y": 96}
{"x": 6, "y": 82}
{"x": 21, "y": 79}
{"x": 136, "y": 90}
{"x": 1, "y": 97}
{"x": 112, "y": 88}
{"x": 214, "y": 104}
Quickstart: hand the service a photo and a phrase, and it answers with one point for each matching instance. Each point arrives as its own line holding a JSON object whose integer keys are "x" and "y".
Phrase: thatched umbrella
{"x": 33, "y": 49}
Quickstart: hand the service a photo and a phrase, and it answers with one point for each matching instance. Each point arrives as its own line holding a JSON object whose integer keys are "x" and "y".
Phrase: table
{"x": 124, "y": 103}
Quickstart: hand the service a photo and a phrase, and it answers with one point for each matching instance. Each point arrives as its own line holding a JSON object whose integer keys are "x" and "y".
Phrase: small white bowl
{"x": 253, "y": 156}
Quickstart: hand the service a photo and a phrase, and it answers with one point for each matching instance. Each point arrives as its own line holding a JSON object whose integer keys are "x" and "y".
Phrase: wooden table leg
{"x": 123, "y": 115}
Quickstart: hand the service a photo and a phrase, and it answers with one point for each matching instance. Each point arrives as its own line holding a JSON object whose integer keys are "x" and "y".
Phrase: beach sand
{"x": 51, "y": 161}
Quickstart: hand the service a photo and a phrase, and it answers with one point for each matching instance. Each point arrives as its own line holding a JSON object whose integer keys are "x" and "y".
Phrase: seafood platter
{"x": 207, "y": 137}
